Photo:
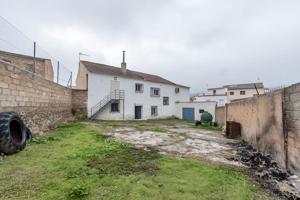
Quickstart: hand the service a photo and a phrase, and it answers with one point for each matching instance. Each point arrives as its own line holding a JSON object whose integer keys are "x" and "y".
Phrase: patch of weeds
{"x": 2, "y": 156}
{"x": 44, "y": 139}
{"x": 208, "y": 127}
{"x": 126, "y": 161}
{"x": 159, "y": 129}
{"x": 79, "y": 191}
{"x": 77, "y": 173}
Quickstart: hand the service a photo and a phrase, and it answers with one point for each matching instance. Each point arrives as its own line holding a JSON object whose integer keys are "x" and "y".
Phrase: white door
{"x": 114, "y": 85}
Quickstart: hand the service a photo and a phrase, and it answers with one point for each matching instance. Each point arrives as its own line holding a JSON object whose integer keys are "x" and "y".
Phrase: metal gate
{"x": 188, "y": 114}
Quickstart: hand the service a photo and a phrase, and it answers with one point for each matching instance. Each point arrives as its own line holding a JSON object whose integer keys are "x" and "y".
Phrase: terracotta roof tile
{"x": 107, "y": 69}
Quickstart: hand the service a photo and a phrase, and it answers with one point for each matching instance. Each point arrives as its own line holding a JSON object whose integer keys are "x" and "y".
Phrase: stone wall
{"x": 42, "y": 104}
{"x": 292, "y": 125}
{"x": 261, "y": 123}
{"x": 79, "y": 103}
{"x": 220, "y": 115}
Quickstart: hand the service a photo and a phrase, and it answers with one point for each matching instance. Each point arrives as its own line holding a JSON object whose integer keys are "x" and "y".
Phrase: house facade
{"x": 229, "y": 93}
{"x": 116, "y": 93}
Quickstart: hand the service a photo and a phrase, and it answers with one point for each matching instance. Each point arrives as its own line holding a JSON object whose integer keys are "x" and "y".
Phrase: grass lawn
{"x": 76, "y": 162}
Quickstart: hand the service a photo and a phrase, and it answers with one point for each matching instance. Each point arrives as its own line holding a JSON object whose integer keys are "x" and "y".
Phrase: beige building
{"x": 43, "y": 67}
{"x": 242, "y": 91}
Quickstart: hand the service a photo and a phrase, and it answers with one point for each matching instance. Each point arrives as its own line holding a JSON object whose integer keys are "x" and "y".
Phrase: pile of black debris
{"x": 267, "y": 171}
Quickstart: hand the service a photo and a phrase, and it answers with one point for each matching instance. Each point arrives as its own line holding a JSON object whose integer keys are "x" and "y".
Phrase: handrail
{"x": 114, "y": 95}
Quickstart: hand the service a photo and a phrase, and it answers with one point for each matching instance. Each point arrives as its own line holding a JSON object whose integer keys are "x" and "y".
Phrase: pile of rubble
{"x": 266, "y": 171}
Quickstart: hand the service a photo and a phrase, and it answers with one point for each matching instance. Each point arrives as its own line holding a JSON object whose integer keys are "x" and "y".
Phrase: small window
{"x": 154, "y": 111}
{"x": 166, "y": 101}
{"x": 201, "y": 111}
{"x": 231, "y": 93}
{"x": 242, "y": 92}
{"x": 139, "y": 87}
{"x": 155, "y": 92}
{"x": 177, "y": 90}
{"x": 114, "y": 107}
{"x": 214, "y": 92}
{"x": 115, "y": 78}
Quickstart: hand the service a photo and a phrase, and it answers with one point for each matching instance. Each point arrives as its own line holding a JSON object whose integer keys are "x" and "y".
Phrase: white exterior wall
{"x": 221, "y": 100}
{"x": 209, "y": 106}
{"x": 99, "y": 86}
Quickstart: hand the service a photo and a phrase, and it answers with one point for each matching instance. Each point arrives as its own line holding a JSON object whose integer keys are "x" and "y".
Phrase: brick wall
{"x": 292, "y": 123}
{"x": 42, "y": 104}
{"x": 220, "y": 115}
{"x": 79, "y": 103}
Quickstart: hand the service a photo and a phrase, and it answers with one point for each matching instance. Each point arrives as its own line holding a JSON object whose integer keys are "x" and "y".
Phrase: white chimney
{"x": 123, "y": 64}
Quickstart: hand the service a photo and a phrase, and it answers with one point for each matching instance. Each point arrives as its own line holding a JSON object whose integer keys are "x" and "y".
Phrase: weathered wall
{"x": 43, "y": 67}
{"x": 220, "y": 115}
{"x": 79, "y": 103}
{"x": 42, "y": 104}
{"x": 292, "y": 111}
{"x": 261, "y": 123}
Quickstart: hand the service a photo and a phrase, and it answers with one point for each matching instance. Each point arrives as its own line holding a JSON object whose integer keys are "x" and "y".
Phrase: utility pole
{"x": 57, "y": 72}
{"x": 34, "y": 56}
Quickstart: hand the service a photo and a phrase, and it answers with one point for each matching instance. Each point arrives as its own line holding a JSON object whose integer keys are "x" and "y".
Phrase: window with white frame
{"x": 139, "y": 87}
{"x": 155, "y": 92}
{"x": 154, "y": 111}
{"x": 231, "y": 93}
{"x": 166, "y": 101}
{"x": 177, "y": 90}
{"x": 243, "y": 92}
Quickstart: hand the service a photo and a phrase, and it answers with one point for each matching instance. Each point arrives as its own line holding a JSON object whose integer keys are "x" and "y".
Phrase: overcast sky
{"x": 198, "y": 43}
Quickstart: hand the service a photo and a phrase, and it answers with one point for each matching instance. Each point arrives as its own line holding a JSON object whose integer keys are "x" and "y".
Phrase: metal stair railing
{"x": 114, "y": 95}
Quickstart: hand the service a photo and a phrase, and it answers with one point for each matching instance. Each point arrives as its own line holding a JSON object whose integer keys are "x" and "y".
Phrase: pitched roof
{"x": 22, "y": 56}
{"x": 244, "y": 86}
{"x": 107, "y": 69}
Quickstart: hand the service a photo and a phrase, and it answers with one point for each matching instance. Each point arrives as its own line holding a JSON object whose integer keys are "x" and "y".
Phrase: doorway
{"x": 138, "y": 112}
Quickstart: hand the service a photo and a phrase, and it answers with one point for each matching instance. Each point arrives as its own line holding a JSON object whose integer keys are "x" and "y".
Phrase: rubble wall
{"x": 261, "y": 123}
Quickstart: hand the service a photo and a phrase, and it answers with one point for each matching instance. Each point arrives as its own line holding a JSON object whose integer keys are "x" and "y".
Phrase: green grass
{"x": 77, "y": 162}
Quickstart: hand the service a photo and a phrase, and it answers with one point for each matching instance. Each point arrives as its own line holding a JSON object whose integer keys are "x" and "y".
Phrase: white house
{"x": 213, "y": 94}
{"x": 229, "y": 93}
{"x": 116, "y": 93}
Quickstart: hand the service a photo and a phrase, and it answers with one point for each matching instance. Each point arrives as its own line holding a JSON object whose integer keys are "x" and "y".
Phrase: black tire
{"x": 28, "y": 135}
{"x": 12, "y": 133}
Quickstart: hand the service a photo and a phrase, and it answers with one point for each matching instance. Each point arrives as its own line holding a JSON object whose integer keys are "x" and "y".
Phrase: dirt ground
{"x": 178, "y": 138}
{"x": 175, "y": 138}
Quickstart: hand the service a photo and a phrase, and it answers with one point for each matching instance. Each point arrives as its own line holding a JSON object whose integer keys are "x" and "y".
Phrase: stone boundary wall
{"x": 292, "y": 126}
{"x": 41, "y": 103}
{"x": 220, "y": 115}
{"x": 271, "y": 122}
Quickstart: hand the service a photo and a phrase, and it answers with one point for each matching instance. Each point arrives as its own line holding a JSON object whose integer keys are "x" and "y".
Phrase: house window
{"x": 155, "y": 92}
{"x": 243, "y": 92}
{"x": 214, "y": 91}
{"x": 201, "y": 111}
{"x": 166, "y": 101}
{"x": 231, "y": 93}
{"x": 139, "y": 87}
{"x": 115, "y": 78}
{"x": 154, "y": 111}
{"x": 176, "y": 90}
{"x": 114, "y": 107}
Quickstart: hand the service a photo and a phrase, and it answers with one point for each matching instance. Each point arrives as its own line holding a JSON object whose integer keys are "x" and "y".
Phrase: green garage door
{"x": 188, "y": 114}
